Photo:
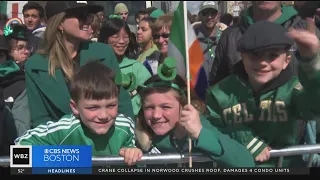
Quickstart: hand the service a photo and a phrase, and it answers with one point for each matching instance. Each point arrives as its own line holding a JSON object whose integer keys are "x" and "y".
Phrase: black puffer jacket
{"x": 226, "y": 54}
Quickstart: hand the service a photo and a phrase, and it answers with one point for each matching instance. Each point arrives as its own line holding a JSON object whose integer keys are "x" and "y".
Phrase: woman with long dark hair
{"x": 116, "y": 33}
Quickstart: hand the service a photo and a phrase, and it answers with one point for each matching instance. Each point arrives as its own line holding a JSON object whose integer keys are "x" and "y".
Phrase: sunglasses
{"x": 209, "y": 13}
{"x": 80, "y": 15}
{"x": 157, "y": 36}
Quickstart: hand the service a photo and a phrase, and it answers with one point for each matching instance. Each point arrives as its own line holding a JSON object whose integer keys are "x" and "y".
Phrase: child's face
{"x": 97, "y": 115}
{"x": 265, "y": 66}
{"x": 161, "y": 111}
{"x": 20, "y": 51}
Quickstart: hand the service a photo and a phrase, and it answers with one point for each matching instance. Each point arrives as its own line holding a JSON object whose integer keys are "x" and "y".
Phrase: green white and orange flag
{"x": 179, "y": 38}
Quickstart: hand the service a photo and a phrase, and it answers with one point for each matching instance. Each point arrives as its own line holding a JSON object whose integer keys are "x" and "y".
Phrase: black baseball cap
{"x": 55, "y": 7}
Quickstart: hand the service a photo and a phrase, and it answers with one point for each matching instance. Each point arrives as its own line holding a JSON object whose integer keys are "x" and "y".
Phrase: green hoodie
{"x": 287, "y": 13}
{"x": 142, "y": 74}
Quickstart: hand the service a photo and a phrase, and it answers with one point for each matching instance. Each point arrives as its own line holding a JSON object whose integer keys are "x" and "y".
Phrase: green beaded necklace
{"x": 218, "y": 34}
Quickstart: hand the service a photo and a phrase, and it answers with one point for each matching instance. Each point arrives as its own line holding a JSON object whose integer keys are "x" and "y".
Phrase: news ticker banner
{"x": 50, "y": 159}
{"x": 78, "y": 160}
{"x": 164, "y": 171}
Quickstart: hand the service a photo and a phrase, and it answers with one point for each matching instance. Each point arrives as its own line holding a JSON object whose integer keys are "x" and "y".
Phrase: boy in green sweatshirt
{"x": 261, "y": 103}
{"x": 95, "y": 120}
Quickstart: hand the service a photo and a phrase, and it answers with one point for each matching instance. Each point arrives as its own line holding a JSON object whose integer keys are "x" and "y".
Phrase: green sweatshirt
{"x": 271, "y": 117}
{"x": 219, "y": 147}
{"x": 142, "y": 74}
{"x": 70, "y": 131}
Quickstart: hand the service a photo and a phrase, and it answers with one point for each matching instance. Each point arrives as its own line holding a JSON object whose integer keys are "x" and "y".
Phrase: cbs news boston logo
{"x": 50, "y": 159}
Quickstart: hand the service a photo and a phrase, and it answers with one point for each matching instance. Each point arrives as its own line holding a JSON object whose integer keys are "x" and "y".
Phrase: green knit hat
{"x": 156, "y": 13}
{"x": 120, "y": 7}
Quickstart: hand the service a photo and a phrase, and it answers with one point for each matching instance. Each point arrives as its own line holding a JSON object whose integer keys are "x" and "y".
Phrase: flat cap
{"x": 264, "y": 35}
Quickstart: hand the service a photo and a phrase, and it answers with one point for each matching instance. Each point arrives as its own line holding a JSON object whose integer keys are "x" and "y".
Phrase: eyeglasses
{"x": 116, "y": 39}
{"x": 81, "y": 16}
{"x": 157, "y": 36}
{"x": 22, "y": 48}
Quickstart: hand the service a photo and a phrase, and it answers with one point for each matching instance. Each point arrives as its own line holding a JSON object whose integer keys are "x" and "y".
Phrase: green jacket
{"x": 71, "y": 131}
{"x": 141, "y": 73}
{"x": 271, "y": 117}
{"x": 219, "y": 147}
{"x": 49, "y": 96}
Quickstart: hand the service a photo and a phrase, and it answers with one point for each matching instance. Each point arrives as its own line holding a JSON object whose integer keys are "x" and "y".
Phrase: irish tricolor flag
{"x": 179, "y": 38}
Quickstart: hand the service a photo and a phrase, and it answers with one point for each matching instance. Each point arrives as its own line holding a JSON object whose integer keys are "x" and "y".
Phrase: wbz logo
{"x": 20, "y": 156}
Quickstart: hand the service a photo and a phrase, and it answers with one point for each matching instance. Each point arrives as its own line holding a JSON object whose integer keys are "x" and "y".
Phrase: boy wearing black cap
{"x": 261, "y": 103}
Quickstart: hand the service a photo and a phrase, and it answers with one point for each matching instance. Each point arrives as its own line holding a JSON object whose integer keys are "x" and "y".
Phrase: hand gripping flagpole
{"x": 185, "y": 18}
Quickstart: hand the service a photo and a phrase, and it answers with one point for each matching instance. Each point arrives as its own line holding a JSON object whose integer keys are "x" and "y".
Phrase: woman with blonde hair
{"x": 67, "y": 47}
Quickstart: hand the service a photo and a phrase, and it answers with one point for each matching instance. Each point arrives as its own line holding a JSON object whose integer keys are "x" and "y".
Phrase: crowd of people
{"x": 72, "y": 76}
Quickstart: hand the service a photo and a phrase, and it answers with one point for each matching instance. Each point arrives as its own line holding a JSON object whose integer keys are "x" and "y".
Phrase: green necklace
{"x": 218, "y": 34}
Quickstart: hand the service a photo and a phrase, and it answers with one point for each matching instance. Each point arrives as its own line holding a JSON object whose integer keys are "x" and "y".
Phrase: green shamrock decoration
{"x": 20, "y": 35}
{"x": 115, "y": 16}
{"x": 7, "y": 31}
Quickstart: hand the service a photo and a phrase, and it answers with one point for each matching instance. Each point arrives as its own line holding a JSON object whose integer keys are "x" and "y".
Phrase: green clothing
{"x": 219, "y": 147}
{"x": 141, "y": 73}
{"x": 71, "y": 131}
{"x": 8, "y": 67}
{"x": 142, "y": 57}
{"x": 49, "y": 96}
{"x": 269, "y": 117}
{"x": 287, "y": 13}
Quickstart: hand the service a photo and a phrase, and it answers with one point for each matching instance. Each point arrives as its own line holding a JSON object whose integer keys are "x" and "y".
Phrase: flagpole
{"x": 185, "y": 18}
